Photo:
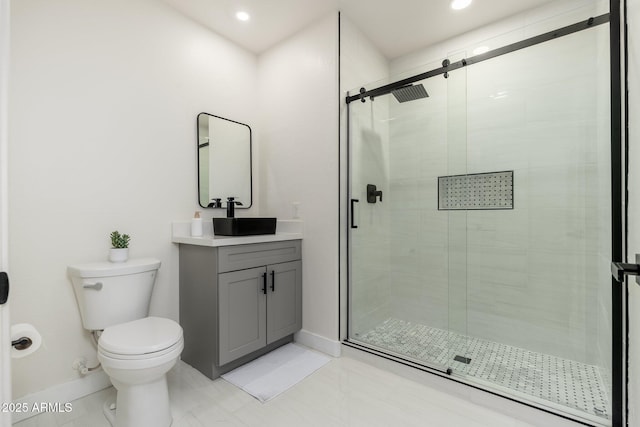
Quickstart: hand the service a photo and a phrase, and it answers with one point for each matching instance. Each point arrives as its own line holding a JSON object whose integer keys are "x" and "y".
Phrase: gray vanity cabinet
{"x": 238, "y": 302}
{"x": 257, "y": 307}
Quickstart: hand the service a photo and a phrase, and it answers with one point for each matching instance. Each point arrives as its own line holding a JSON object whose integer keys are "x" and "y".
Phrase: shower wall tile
{"x": 563, "y": 186}
{"x": 503, "y": 267}
{"x": 499, "y": 230}
{"x": 559, "y": 230}
{"x": 560, "y": 144}
{"x": 529, "y": 334}
{"x": 492, "y": 150}
{"x": 369, "y": 304}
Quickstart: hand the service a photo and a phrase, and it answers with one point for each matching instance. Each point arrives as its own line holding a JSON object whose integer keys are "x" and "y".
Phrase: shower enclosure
{"x": 480, "y": 214}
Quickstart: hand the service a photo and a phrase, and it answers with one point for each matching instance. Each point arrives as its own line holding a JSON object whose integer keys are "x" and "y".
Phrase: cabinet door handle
{"x": 264, "y": 283}
{"x": 273, "y": 281}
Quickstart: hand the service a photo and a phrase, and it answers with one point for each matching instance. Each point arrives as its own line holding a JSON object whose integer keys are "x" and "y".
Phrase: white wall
{"x": 298, "y": 103}
{"x": 103, "y": 105}
{"x": 633, "y": 17}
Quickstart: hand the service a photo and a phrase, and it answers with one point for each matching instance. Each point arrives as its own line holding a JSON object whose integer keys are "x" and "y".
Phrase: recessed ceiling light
{"x": 242, "y": 16}
{"x": 460, "y": 4}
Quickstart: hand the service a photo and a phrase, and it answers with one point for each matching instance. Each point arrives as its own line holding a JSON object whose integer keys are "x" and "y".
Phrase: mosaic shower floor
{"x": 566, "y": 382}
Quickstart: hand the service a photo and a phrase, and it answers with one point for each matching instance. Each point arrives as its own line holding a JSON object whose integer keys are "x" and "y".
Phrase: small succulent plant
{"x": 119, "y": 241}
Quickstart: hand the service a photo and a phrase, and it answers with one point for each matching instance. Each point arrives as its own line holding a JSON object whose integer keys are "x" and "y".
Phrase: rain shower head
{"x": 410, "y": 93}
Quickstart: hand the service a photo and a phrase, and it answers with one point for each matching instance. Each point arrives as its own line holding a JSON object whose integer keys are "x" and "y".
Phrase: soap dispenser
{"x": 196, "y": 225}
{"x": 231, "y": 203}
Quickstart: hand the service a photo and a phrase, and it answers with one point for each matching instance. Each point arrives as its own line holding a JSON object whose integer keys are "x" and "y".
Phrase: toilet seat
{"x": 145, "y": 338}
{"x": 144, "y": 356}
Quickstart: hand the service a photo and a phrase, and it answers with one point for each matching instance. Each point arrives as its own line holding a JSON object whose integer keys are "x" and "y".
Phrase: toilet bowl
{"x": 136, "y": 355}
{"x": 136, "y": 351}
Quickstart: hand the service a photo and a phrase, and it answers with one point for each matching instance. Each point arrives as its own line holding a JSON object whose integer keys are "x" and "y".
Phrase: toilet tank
{"x": 110, "y": 293}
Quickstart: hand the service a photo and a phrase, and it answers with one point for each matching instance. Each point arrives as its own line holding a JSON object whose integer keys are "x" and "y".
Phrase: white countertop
{"x": 181, "y": 233}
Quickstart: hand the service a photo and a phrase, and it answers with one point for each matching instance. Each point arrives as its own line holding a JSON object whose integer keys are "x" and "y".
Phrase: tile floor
{"x": 566, "y": 382}
{"x": 345, "y": 392}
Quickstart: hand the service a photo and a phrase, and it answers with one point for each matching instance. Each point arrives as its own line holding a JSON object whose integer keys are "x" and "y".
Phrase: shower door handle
{"x": 4, "y": 287}
{"x": 353, "y": 202}
{"x": 620, "y": 269}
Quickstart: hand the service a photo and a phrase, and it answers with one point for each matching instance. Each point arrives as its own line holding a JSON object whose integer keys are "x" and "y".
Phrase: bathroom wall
{"x": 103, "y": 105}
{"x": 298, "y": 103}
{"x": 361, "y": 62}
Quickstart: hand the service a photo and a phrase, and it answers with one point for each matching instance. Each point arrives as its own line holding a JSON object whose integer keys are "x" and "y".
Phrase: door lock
{"x": 621, "y": 269}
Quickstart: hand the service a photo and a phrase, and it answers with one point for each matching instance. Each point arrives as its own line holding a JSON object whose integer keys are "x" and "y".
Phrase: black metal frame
{"x": 618, "y": 232}
{"x": 620, "y": 318}
{"x": 206, "y": 144}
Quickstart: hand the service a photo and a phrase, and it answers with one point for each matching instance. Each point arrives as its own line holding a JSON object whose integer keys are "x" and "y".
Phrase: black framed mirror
{"x": 224, "y": 162}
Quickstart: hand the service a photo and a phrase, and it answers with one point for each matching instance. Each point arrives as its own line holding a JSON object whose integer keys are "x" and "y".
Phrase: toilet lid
{"x": 142, "y": 336}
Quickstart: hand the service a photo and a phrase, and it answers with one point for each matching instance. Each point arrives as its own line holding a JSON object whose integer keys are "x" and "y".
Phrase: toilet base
{"x": 110, "y": 414}
{"x": 150, "y": 408}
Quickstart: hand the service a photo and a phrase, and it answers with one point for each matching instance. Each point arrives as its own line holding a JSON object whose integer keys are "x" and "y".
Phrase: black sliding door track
{"x": 564, "y": 31}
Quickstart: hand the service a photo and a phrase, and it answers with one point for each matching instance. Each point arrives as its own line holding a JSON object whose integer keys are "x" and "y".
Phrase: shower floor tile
{"x": 566, "y": 382}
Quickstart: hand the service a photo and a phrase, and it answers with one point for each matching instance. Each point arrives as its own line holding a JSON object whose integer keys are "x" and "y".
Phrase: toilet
{"x": 136, "y": 351}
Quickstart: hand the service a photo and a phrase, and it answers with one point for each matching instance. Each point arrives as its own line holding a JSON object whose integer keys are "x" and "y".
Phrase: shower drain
{"x": 462, "y": 359}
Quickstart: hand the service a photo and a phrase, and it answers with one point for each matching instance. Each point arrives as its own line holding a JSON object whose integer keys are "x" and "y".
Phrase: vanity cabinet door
{"x": 284, "y": 300}
{"x": 242, "y": 314}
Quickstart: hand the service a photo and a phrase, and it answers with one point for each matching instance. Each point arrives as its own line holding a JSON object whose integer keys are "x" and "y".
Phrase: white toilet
{"x": 136, "y": 351}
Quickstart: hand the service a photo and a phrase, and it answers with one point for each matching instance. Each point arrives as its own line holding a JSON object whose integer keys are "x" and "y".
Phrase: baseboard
{"x": 60, "y": 394}
{"x": 318, "y": 342}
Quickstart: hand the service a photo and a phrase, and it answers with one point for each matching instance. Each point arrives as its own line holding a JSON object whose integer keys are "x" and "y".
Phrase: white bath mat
{"x": 273, "y": 373}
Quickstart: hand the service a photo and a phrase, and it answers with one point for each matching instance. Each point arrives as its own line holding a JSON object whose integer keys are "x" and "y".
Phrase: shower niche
{"x": 490, "y": 190}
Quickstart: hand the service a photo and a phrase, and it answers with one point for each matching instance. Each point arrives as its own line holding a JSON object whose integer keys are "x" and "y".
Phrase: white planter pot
{"x": 118, "y": 255}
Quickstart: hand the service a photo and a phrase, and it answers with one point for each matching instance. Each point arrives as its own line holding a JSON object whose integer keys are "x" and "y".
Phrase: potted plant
{"x": 119, "y": 251}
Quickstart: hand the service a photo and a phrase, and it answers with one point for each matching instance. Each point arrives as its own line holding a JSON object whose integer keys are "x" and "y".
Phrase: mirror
{"x": 224, "y": 161}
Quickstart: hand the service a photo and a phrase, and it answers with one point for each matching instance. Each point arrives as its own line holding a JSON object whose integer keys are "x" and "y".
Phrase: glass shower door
{"x": 539, "y": 292}
{"x": 405, "y": 251}
{"x": 455, "y": 197}
{"x": 370, "y": 290}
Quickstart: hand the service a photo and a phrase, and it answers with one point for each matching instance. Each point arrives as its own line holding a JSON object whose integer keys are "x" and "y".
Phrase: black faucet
{"x": 231, "y": 204}
{"x": 217, "y": 203}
